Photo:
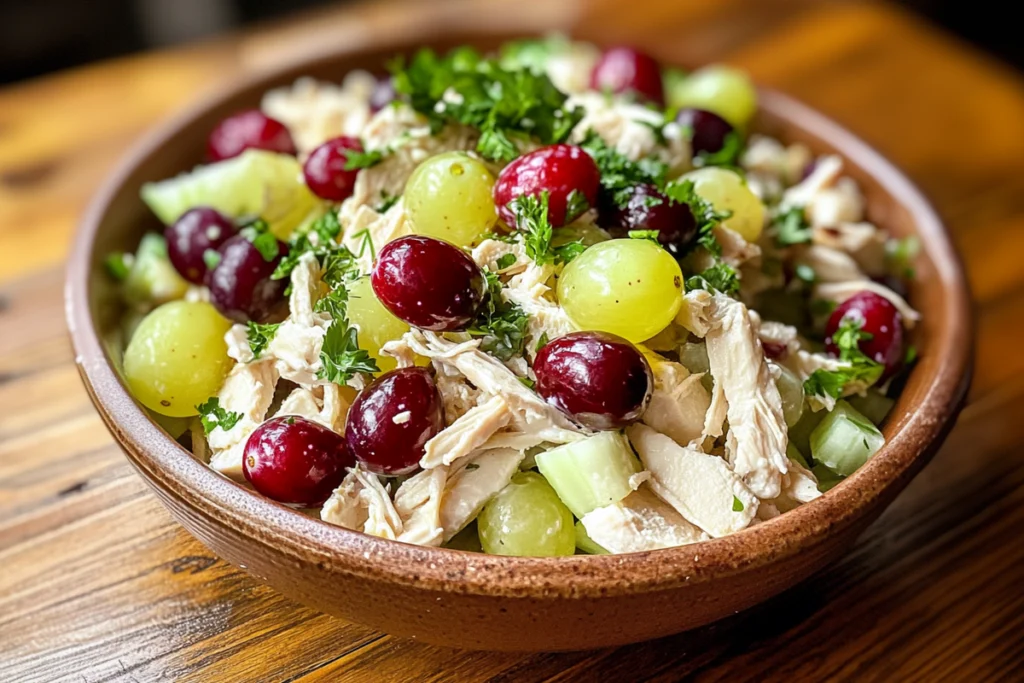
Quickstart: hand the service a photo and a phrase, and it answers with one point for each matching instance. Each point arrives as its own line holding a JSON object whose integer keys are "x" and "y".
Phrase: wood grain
{"x": 99, "y": 584}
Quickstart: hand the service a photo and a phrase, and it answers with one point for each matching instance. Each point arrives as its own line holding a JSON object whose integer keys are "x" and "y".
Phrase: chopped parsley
{"x": 737, "y": 504}
{"x": 118, "y": 264}
{"x": 720, "y": 277}
{"x": 366, "y": 243}
{"x": 527, "y": 382}
{"x": 732, "y": 145}
{"x": 341, "y": 356}
{"x": 356, "y": 159}
{"x": 900, "y": 254}
{"x": 504, "y": 104}
{"x": 501, "y": 324}
{"x": 619, "y": 175}
{"x": 847, "y": 339}
{"x": 211, "y": 258}
{"x": 911, "y": 355}
{"x": 576, "y": 204}
{"x": 806, "y": 273}
{"x": 542, "y": 341}
{"x": 792, "y": 227}
{"x": 259, "y": 336}
{"x": 506, "y": 260}
{"x": 213, "y": 416}
{"x": 325, "y": 229}
{"x": 532, "y": 223}
{"x": 704, "y": 213}
{"x": 258, "y": 232}
{"x": 651, "y": 235}
{"x": 386, "y": 201}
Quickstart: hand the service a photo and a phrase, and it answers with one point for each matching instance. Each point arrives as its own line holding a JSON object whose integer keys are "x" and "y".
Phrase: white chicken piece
{"x": 237, "y": 340}
{"x": 470, "y": 487}
{"x": 367, "y": 231}
{"x": 736, "y": 251}
{"x": 629, "y": 129}
{"x": 679, "y": 402}
{"x": 841, "y": 291}
{"x": 841, "y": 203}
{"x": 799, "y": 486}
{"x": 828, "y": 264}
{"x": 694, "y": 314}
{"x": 825, "y": 174}
{"x": 864, "y": 242}
{"x": 315, "y": 111}
{"x": 248, "y": 391}
{"x": 546, "y": 318}
{"x": 767, "y": 156}
{"x": 756, "y": 442}
{"x": 295, "y": 347}
{"x": 699, "y": 486}
{"x": 714, "y": 420}
{"x": 362, "y": 503}
{"x": 466, "y": 434}
{"x": 330, "y": 411}
{"x": 418, "y": 502}
{"x": 784, "y": 340}
{"x": 569, "y": 69}
{"x": 640, "y": 521}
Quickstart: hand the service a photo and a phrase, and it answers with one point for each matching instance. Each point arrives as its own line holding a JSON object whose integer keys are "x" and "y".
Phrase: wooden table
{"x": 97, "y": 583}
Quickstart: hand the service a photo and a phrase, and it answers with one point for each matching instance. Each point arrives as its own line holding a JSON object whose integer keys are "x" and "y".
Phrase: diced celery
{"x": 152, "y": 279}
{"x": 590, "y": 473}
{"x": 826, "y": 477}
{"x": 800, "y": 433}
{"x": 845, "y": 440}
{"x": 585, "y": 543}
{"x": 791, "y": 389}
{"x": 875, "y": 406}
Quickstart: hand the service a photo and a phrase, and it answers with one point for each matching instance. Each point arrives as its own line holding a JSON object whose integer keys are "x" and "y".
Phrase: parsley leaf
{"x": 506, "y": 260}
{"x": 502, "y": 103}
{"x": 319, "y": 239}
{"x": 900, "y": 254}
{"x": 532, "y": 221}
{"x": 118, "y": 264}
{"x": 542, "y": 341}
{"x": 386, "y": 201}
{"x": 704, "y": 213}
{"x": 619, "y": 175}
{"x": 213, "y": 416}
{"x": 847, "y": 339}
{"x": 792, "y": 227}
{"x": 501, "y": 324}
{"x": 806, "y": 273}
{"x": 732, "y": 145}
{"x": 341, "y": 356}
{"x": 721, "y": 277}
{"x": 259, "y": 336}
{"x": 258, "y": 232}
{"x": 737, "y": 505}
{"x": 651, "y": 235}
{"x": 211, "y": 258}
{"x": 576, "y": 204}
{"x": 356, "y": 159}
{"x": 570, "y": 250}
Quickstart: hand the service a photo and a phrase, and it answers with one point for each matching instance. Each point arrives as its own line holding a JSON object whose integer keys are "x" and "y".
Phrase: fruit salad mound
{"x": 550, "y": 301}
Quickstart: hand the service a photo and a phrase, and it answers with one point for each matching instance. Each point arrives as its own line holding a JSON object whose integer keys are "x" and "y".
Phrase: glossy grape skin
{"x": 626, "y": 70}
{"x": 191, "y": 235}
{"x": 428, "y": 283}
{"x": 376, "y": 324}
{"x": 527, "y": 519}
{"x": 324, "y": 169}
{"x": 296, "y": 461}
{"x": 719, "y": 89}
{"x": 649, "y": 209}
{"x": 558, "y": 170}
{"x": 250, "y": 129}
{"x": 727, "y": 191}
{"x": 629, "y": 287}
{"x": 379, "y": 442}
{"x": 708, "y": 130}
{"x": 448, "y": 196}
{"x": 241, "y": 287}
{"x": 878, "y": 318}
{"x": 600, "y": 380}
{"x": 177, "y": 357}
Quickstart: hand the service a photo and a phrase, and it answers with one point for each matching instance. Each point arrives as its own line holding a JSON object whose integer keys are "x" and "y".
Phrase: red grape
{"x": 559, "y": 170}
{"x": 191, "y": 235}
{"x": 624, "y": 69}
{"x": 880, "y": 319}
{"x": 240, "y": 284}
{"x": 325, "y": 172}
{"x": 250, "y": 129}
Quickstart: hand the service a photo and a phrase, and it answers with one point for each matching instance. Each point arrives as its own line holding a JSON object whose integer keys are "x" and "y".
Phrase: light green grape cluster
{"x": 720, "y": 89}
{"x": 178, "y": 357}
{"x": 449, "y": 196}
{"x": 728, "y": 193}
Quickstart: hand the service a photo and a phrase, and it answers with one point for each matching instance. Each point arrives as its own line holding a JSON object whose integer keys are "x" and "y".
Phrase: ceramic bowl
{"x": 471, "y": 600}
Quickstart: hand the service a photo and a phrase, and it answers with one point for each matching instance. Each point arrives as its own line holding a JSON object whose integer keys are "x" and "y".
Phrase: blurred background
{"x": 47, "y": 35}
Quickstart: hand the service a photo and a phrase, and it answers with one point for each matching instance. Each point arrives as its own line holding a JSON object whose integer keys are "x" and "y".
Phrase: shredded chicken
{"x": 248, "y": 391}
{"x": 699, "y": 486}
{"x": 694, "y": 313}
{"x": 467, "y": 433}
{"x": 862, "y": 241}
{"x": 756, "y": 442}
{"x": 367, "y": 231}
{"x": 826, "y": 172}
{"x": 799, "y": 486}
{"x": 458, "y": 396}
{"x": 468, "y": 488}
{"x": 364, "y": 504}
{"x": 767, "y": 156}
{"x": 679, "y": 402}
{"x": 418, "y": 502}
{"x": 640, "y": 521}
{"x": 714, "y": 419}
{"x": 315, "y": 111}
{"x": 828, "y": 264}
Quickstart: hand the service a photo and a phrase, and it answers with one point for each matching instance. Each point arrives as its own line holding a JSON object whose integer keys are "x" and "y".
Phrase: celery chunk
{"x": 845, "y": 440}
{"x": 590, "y": 473}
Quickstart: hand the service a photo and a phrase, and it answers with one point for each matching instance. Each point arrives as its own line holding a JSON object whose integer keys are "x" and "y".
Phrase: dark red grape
{"x": 879, "y": 318}
{"x": 391, "y": 420}
{"x": 708, "y": 130}
{"x": 623, "y": 69}
{"x": 250, "y": 129}
{"x": 649, "y": 209}
{"x": 559, "y": 170}
{"x": 191, "y": 235}
{"x": 428, "y": 283}
{"x": 599, "y": 379}
{"x": 293, "y": 460}
{"x": 240, "y": 285}
{"x": 383, "y": 94}
{"x": 325, "y": 172}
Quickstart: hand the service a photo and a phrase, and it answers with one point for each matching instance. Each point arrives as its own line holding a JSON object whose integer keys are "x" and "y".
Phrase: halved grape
{"x": 719, "y": 89}
{"x": 527, "y": 519}
{"x": 449, "y": 197}
{"x": 255, "y": 183}
{"x": 590, "y": 473}
{"x": 177, "y": 357}
{"x": 628, "y": 287}
{"x": 728, "y": 191}
{"x": 845, "y": 440}
{"x": 152, "y": 279}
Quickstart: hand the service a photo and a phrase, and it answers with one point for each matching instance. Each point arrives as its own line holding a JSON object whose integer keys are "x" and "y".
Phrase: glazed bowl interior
{"x": 206, "y": 502}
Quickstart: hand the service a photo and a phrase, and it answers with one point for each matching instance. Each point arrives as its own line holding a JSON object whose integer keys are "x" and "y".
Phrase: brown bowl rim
{"x": 166, "y": 464}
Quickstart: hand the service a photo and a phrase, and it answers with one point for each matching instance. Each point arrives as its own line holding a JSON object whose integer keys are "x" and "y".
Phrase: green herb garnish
{"x": 118, "y": 264}
{"x": 650, "y": 235}
{"x": 340, "y": 355}
{"x": 792, "y": 227}
{"x": 213, "y": 416}
{"x": 720, "y": 277}
{"x": 258, "y": 232}
{"x": 259, "y": 336}
{"x": 861, "y": 369}
{"x": 619, "y": 175}
{"x": 532, "y": 223}
{"x": 506, "y": 260}
{"x": 501, "y": 324}
{"x": 737, "y": 505}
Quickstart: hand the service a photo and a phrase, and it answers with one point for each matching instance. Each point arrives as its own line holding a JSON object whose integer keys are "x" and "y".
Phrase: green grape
{"x": 177, "y": 357}
{"x": 449, "y": 196}
{"x": 629, "y": 287}
{"x": 527, "y": 519}
{"x": 727, "y": 191}
{"x": 791, "y": 389}
{"x": 376, "y": 324}
{"x": 720, "y": 89}
{"x": 587, "y": 233}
